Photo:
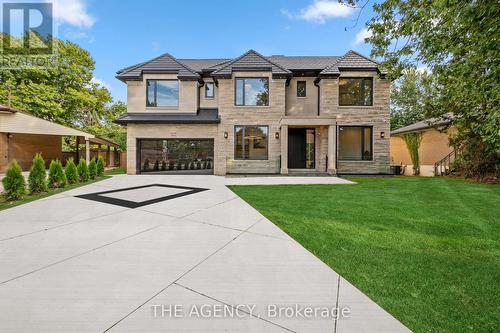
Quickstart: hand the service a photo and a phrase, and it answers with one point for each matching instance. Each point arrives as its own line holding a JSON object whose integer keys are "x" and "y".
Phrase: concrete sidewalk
{"x": 88, "y": 264}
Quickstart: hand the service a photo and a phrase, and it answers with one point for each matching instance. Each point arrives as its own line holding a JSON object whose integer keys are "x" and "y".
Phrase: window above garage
{"x": 162, "y": 93}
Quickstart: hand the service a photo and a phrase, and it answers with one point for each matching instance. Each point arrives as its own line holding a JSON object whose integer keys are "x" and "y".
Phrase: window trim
{"x": 155, "y": 94}
{"x": 213, "y": 90}
{"x": 362, "y": 143}
{"x": 243, "y": 133}
{"x": 362, "y": 89}
{"x": 305, "y": 89}
{"x": 250, "y": 77}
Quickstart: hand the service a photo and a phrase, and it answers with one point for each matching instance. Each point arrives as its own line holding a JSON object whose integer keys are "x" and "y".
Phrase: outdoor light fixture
{"x": 382, "y": 135}
{"x": 277, "y": 135}
{"x": 225, "y": 135}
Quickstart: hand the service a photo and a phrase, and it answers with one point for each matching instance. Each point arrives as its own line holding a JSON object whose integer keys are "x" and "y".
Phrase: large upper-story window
{"x": 356, "y": 91}
{"x": 355, "y": 143}
{"x": 162, "y": 93}
{"x": 250, "y": 142}
{"x": 209, "y": 90}
{"x": 251, "y": 92}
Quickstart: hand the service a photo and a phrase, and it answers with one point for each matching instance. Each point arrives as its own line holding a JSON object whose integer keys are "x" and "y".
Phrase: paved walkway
{"x": 91, "y": 264}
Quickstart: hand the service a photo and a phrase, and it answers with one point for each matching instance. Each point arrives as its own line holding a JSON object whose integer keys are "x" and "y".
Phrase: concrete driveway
{"x": 172, "y": 254}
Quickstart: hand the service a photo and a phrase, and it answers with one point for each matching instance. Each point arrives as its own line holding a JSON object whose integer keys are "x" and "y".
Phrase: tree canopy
{"x": 458, "y": 41}
{"x": 65, "y": 93}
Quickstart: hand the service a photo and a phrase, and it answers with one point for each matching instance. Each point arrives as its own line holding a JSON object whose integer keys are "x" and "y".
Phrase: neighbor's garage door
{"x": 186, "y": 156}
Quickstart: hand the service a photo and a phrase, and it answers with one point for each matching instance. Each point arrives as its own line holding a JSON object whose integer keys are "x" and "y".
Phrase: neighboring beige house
{"x": 257, "y": 114}
{"x": 22, "y": 135}
{"x": 434, "y": 146}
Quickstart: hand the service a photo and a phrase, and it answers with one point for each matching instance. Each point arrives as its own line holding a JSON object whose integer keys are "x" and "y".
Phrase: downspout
{"x": 316, "y": 83}
{"x": 200, "y": 85}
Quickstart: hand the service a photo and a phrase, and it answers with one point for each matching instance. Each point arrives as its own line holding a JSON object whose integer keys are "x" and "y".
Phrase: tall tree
{"x": 459, "y": 42}
{"x": 64, "y": 92}
{"x": 411, "y": 96}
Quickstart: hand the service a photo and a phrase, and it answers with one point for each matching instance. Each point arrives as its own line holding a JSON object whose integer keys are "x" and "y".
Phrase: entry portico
{"x": 323, "y": 145}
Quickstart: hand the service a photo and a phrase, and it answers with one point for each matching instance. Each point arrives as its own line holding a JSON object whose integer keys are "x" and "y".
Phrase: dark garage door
{"x": 182, "y": 156}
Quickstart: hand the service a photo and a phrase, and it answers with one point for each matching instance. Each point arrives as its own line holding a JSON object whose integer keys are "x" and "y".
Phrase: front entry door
{"x": 301, "y": 148}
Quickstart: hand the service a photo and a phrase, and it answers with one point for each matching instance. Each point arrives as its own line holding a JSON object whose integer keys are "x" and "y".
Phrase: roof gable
{"x": 252, "y": 61}
{"x": 162, "y": 64}
{"x": 350, "y": 60}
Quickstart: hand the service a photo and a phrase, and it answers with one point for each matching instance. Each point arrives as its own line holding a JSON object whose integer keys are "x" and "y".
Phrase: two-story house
{"x": 257, "y": 114}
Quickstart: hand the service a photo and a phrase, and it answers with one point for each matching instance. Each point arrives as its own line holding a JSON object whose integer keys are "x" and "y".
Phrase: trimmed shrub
{"x": 163, "y": 165}
{"x": 37, "y": 178}
{"x": 13, "y": 183}
{"x": 57, "y": 178}
{"x": 198, "y": 165}
{"x": 71, "y": 172}
{"x": 171, "y": 165}
{"x": 100, "y": 166}
{"x": 83, "y": 171}
{"x": 92, "y": 169}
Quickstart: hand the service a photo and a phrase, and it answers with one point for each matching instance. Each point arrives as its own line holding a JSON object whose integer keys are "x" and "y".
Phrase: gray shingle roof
{"x": 204, "y": 116}
{"x": 278, "y": 64}
{"x": 162, "y": 64}
{"x": 204, "y": 64}
{"x": 303, "y": 62}
{"x": 251, "y": 60}
{"x": 350, "y": 60}
{"x": 445, "y": 119}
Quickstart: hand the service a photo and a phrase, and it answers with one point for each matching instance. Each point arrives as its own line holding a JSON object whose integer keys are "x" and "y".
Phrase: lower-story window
{"x": 251, "y": 142}
{"x": 355, "y": 143}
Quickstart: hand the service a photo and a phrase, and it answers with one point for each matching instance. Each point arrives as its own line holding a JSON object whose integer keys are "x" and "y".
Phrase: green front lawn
{"x": 426, "y": 249}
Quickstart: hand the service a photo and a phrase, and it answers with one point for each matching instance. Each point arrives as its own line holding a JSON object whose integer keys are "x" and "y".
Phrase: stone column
{"x": 284, "y": 149}
{"x": 332, "y": 149}
{"x": 87, "y": 150}
{"x": 109, "y": 162}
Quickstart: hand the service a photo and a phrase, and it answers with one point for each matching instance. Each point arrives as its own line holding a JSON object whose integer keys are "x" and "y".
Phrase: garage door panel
{"x": 184, "y": 156}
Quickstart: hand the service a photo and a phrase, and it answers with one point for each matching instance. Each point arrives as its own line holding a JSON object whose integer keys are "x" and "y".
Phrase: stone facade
{"x": 285, "y": 110}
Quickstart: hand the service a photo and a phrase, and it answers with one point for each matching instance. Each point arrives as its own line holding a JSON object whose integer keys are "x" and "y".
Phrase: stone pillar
{"x": 109, "y": 161}
{"x": 332, "y": 149}
{"x": 112, "y": 157}
{"x": 77, "y": 149}
{"x": 87, "y": 150}
{"x": 284, "y": 149}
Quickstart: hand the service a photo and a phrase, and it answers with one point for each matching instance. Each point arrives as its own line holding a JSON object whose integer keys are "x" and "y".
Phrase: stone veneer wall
{"x": 232, "y": 115}
{"x": 376, "y": 116}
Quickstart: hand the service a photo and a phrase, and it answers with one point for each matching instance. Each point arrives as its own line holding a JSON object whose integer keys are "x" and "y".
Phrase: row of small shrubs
{"x": 15, "y": 185}
{"x": 181, "y": 165}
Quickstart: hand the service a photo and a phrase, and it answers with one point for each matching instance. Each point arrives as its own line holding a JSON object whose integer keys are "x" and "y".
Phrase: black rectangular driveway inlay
{"x": 101, "y": 196}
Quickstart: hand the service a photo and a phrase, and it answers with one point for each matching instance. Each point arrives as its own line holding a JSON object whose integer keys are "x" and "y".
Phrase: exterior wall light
{"x": 382, "y": 135}
{"x": 277, "y": 135}
{"x": 225, "y": 135}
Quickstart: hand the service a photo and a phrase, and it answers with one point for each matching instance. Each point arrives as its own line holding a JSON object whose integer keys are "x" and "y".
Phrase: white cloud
{"x": 320, "y": 11}
{"x": 73, "y": 12}
{"x": 101, "y": 83}
{"x": 423, "y": 69}
{"x": 360, "y": 36}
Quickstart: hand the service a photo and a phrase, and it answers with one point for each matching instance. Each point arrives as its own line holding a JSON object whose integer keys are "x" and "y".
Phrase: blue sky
{"x": 122, "y": 33}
